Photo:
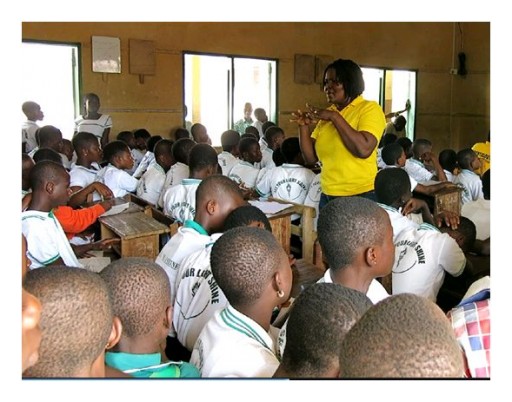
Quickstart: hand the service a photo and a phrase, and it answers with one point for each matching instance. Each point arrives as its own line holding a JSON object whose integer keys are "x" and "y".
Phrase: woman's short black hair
{"x": 350, "y": 75}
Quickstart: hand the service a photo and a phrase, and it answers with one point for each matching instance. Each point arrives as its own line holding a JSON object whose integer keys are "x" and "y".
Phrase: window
{"x": 51, "y": 78}
{"x": 392, "y": 89}
{"x": 217, "y": 88}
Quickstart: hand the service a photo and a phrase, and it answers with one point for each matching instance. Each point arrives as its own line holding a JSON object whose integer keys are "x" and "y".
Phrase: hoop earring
{"x": 280, "y": 293}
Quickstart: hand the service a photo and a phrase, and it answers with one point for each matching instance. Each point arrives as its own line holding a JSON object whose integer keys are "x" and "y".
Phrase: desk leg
{"x": 282, "y": 231}
{"x": 308, "y": 234}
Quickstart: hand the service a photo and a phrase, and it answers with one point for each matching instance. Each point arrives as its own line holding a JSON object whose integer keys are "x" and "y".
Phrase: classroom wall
{"x": 452, "y": 111}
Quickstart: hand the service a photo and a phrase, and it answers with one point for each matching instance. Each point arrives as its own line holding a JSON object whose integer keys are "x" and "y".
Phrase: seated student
{"x": 230, "y": 152}
{"x": 423, "y": 255}
{"x": 387, "y": 138}
{"x": 291, "y": 181}
{"x": 68, "y": 151}
{"x": 139, "y": 293}
{"x": 30, "y": 317}
{"x": 406, "y": 144}
{"x": 252, "y": 131}
{"x": 245, "y": 173}
{"x": 47, "y": 154}
{"x": 313, "y": 198}
{"x": 416, "y": 165}
{"x": 88, "y": 156}
{"x": 216, "y": 197}
{"x": 179, "y": 201}
{"x": 152, "y": 181}
{"x": 77, "y": 323}
{"x": 198, "y": 296}
{"x": 410, "y": 338}
{"x": 468, "y": 178}
{"x": 180, "y": 170}
{"x": 236, "y": 341}
{"x": 142, "y": 137}
{"x": 319, "y": 320}
{"x": 27, "y": 163}
{"x": 179, "y": 133}
{"x": 356, "y": 238}
{"x": 264, "y": 127}
{"x": 50, "y": 137}
{"x": 199, "y": 134}
{"x": 274, "y": 137}
{"x": 149, "y": 156}
{"x": 448, "y": 161}
{"x": 115, "y": 175}
{"x": 471, "y": 322}
{"x": 277, "y": 157}
{"x": 479, "y": 211}
{"x": 33, "y": 113}
{"x": 393, "y": 155}
{"x": 128, "y": 138}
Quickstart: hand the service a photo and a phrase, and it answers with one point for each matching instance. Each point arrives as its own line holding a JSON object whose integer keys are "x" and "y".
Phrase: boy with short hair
{"x": 29, "y": 128}
{"x": 114, "y": 175}
{"x": 230, "y": 140}
{"x": 149, "y": 156}
{"x": 88, "y": 156}
{"x": 468, "y": 178}
{"x": 77, "y": 322}
{"x": 272, "y": 140}
{"x": 50, "y": 137}
{"x": 448, "y": 161}
{"x": 246, "y": 173}
{"x": 129, "y": 138}
{"x": 415, "y": 166}
{"x": 179, "y": 170}
{"x": 139, "y": 293}
{"x": 322, "y": 308}
{"x": 199, "y": 134}
{"x": 152, "y": 181}
{"x": 179, "y": 201}
{"x": 410, "y": 338}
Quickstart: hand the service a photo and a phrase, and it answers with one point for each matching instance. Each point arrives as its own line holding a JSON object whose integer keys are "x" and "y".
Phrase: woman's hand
{"x": 302, "y": 118}
{"x": 318, "y": 114}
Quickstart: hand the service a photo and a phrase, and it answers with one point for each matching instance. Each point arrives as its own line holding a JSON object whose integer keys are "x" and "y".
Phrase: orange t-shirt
{"x": 74, "y": 221}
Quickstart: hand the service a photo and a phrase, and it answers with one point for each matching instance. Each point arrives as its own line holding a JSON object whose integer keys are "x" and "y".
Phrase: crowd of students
{"x": 205, "y": 307}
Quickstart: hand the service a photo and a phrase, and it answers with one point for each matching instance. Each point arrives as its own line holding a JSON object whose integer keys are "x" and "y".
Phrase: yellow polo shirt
{"x": 483, "y": 151}
{"x": 343, "y": 174}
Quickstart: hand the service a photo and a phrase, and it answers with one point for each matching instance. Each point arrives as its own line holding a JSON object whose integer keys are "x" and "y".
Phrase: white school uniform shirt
{"x": 380, "y": 163}
{"x": 46, "y": 240}
{"x": 179, "y": 201}
{"x": 233, "y": 345}
{"x": 151, "y": 183}
{"x": 259, "y": 125}
{"x": 198, "y": 296}
{"x": 422, "y": 256}
{"x": 449, "y": 175}
{"x": 137, "y": 156}
{"x": 246, "y": 173}
{"x": 414, "y": 183}
{"x": 266, "y": 159}
{"x": 417, "y": 170}
{"x": 399, "y": 222}
{"x": 190, "y": 237}
{"x": 313, "y": 197}
{"x": 174, "y": 175}
{"x": 28, "y": 135}
{"x": 117, "y": 180}
{"x": 472, "y": 185}
{"x": 96, "y": 127}
{"x": 147, "y": 160}
{"x": 479, "y": 212}
{"x": 227, "y": 161}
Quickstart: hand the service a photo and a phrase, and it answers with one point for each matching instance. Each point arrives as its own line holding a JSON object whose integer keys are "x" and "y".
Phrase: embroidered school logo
{"x": 408, "y": 254}
{"x": 289, "y": 189}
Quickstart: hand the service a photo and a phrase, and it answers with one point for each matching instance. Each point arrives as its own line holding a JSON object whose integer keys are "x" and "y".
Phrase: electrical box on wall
{"x": 454, "y": 71}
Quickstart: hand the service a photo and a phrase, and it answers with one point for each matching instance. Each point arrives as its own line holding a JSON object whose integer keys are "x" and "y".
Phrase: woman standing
{"x": 345, "y": 138}
{"x": 93, "y": 121}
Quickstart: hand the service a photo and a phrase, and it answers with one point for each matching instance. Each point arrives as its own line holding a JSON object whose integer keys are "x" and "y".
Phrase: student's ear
{"x": 277, "y": 284}
{"x": 49, "y": 187}
{"x": 168, "y": 317}
{"x": 371, "y": 257}
{"x": 115, "y": 333}
{"x": 211, "y": 206}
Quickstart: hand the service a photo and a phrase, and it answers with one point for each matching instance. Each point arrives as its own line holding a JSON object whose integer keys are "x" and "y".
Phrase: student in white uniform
{"x": 114, "y": 175}
{"x": 89, "y": 154}
{"x": 479, "y": 211}
{"x": 415, "y": 166}
{"x": 245, "y": 173}
{"x": 448, "y": 161}
{"x": 129, "y": 139}
{"x": 152, "y": 181}
{"x": 33, "y": 113}
{"x": 179, "y": 201}
{"x": 291, "y": 180}
{"x": 274, "y": 137}
{"x": 94, "y": 122}
{"x": 50, "y": 137}
{"x": 149, "y": 156}
{"x": 424, "y": 255}
{"x": 216, "y": 197}
{"x": 410, "y": 338}
{"x": 321, "y": 317}
{"x": 469, "y": 164}
{"x": 230, "y": 152}
{"x": 179, "y": 170}
{"x": 387, "y": 138}
{"x": 198, "y": 295}
{"x": 313, "y": 197}
{"x": 236, "y": 341}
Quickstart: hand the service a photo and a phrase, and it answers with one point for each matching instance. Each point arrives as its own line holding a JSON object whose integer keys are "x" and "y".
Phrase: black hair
{"x": 290, "y": 149}
{"x": 181, "y": 149}
{"x": 419, "y": 145}
{"x": 391, "y": 185}
{"x": 43, "y": 172}
{"x": 142, "y": 133}
{"x": 113, "y": 149}
{"x": 47, "y": 154}
{"x": 349, "y": 74}
{"x": 391, "y": 153}
{"x": 250, "y": 135}
{"x": 272, "y": 132}
{"x": 84, "y": 140}
{"x": 217, "y": 186}
{"x": 467, "y": 229}
{"x": 387, "y": 138}
{"x": 181, "y": 132}
{"x": 347, "y": 224}
{"x": 245, "y": 215}
{"x": 465, "y": 157}
{"x": 246, "y": 144}
{"x": 266, "y": 125}
{"x": 163, "y": 146}
{"x": 410, "y": 338}
{"x": 486, "y": 184}
{"x": 152, "y": 142}
{"x": 202, "y": 156}
{"x": 406, "y": 144}
{"x": 277, "y": 157}
{"x": 229, "y": 139}
{"x": 47, "y": 135}
{"x": 448, "y": 159}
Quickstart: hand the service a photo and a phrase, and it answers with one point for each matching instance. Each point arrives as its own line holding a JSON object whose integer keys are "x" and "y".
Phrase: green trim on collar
{"x": 196, "y": 226}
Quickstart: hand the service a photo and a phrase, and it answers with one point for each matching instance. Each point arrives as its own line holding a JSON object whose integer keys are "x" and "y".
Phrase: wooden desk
{"x": 139, "y": 233}
{"x": 304, "y": 274}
